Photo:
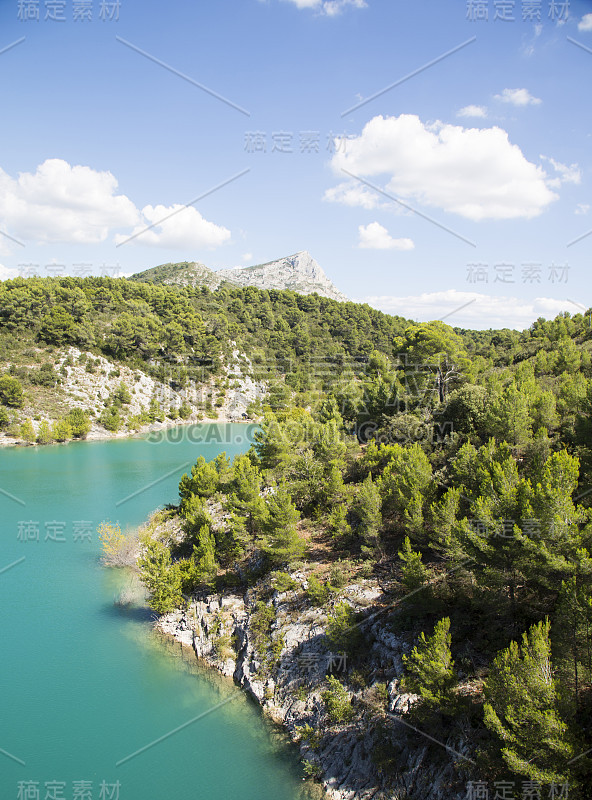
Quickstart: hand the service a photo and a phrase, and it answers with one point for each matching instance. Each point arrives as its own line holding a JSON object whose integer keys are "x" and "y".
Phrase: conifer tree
{"x": 521, "y": 709}
{"x": 430, "y": 670}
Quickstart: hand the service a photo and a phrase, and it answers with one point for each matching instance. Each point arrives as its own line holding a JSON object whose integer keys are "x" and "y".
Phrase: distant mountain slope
{"x": 299, "y": 272}
{"x": 187, "y": 273}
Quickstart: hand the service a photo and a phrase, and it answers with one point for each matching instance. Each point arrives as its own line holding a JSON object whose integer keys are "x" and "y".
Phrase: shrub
{"x": 79, "y": 422}
{"x": 337, "y": 701}
{"x": 342, "y": 631}
{"x": 61, "y": 431}
{"x": 27, "y": 431}
{"x": 317, "y": 592}
{"x": 11, "y": 392}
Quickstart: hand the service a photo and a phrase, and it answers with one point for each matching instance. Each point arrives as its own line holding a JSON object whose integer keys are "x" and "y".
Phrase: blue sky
{"x": 491, "y": 145}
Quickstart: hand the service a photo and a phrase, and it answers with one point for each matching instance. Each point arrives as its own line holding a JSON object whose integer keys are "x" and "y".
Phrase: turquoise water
{"x": 85, "y": 684}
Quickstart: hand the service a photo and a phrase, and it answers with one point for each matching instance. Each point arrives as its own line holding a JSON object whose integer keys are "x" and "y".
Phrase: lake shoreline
{"x": 100, "y": 434}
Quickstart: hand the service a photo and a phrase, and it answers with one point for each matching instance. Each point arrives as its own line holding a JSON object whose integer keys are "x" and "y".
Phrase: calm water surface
{"x": 86, "y": 685}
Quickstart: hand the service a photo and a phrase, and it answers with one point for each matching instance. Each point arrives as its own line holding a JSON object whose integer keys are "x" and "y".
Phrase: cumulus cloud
{"x": 486, "y": 311}
{"x": 518, "y": 97}
{"x": 375, "y": 237}
{"x": 582, "y": 209}
{"x": 473, "y": 111}
{"x": 475, "y": 173}
{"x": 79, "y": 205}
{"x": 63, "y": 203}
{"x": 585, "y": 24}
{"x": 176, "y": 226}
{"x": 565, "y": 173}
{"x": 330, "y": 8}
{"x": 353, "y": 194}
{"x": 6, "y": 273}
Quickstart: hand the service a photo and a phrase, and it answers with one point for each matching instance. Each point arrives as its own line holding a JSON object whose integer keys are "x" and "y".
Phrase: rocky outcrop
{"x": 299, "y": 272}
{"x": 287, "y": 677}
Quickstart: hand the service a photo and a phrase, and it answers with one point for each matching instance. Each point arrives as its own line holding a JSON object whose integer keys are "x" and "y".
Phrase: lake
{"x": 95, "y": 703}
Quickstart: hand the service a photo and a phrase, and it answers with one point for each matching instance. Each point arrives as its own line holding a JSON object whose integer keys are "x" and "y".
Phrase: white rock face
{"x": 299, "y": 272}
{"x": 290, "y": 692}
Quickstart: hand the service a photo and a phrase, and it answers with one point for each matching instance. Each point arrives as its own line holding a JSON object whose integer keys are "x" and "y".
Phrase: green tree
{"x": 414, "y": 572}
{"x": 367, "y": 507}
{"x": 282, "y": 541}
{"x": 61, "y": 431}
{"x": 204, "y": 556}
{"x": 11, "y": 392}
{"x": 27, "y": 431}
{"x": 406, "y": 485}
{"x": 79, "y": 422}
{"x": 161, "y": 578}
{"x": 430, "y": 670}
{"x": 521, "y": 709}
{"x": 44, "y": 434}
{"x": 337, "y": 701}
{"x": 431, "y": 348}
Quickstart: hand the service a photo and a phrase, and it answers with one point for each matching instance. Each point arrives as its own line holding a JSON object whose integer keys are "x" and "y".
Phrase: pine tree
{"x": 414, "y": 573}
{"x": 282, "y": 542}
{"x": 521, "y": 709}
{"x": 204, "y": 557}
{"x": 368, "y": 510}
{"x": 430, "y": 670}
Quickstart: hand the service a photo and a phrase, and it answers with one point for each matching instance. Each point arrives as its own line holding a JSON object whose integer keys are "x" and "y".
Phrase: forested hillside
{"x": 179, "y": 336}
{"x": 455, "y": 474}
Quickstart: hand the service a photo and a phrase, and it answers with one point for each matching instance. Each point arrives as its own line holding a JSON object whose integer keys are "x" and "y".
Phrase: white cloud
{"x": 353, "y": 194}
{"x": 585, "y": 24}
{"x": 375, "y": 237}
{"x": 6, "y": 273}
{"x": 565, "y": 173}
{"x": 472, "y": 111}
{"x": 246, "y": 257}
{"x": 518, "y": 97}
{"x": 486, "y": 312}
{"x": 330, "y": 8}
{"x": 63, "y": 203}
{"x": 176, "y": 226}
{"x": 582, "y": 209}
{"x": 475, "y": 173}
{"x": 77, "y": 204}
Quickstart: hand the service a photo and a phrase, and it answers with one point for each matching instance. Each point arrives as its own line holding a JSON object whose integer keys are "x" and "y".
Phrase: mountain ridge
{"x": 298, "y": 272}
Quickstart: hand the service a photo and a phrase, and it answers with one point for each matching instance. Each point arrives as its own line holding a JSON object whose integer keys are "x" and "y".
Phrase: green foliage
{"x": 283, "y": 582}
{"x": 11, "y": 392}
{"x": 367, "y": 506}
{"x": 27, "y": 431}
{"x": 342, "y": 630}
{"x": 161, "y": 577}
{"x": 430, "y": 668}
{"x": 414, "y": 573}
{"x": 111, "y": 419}
{"x": 521, "y": 709}
{"x": 318, "y": 593}
{"x": 61, "y": 430}
{"x": 337, "y": 702}
{"x": 282, "y": 541}
{"x": 79, "y": 422}
{"x": 44, "y": 434}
